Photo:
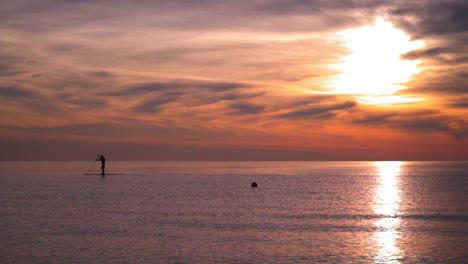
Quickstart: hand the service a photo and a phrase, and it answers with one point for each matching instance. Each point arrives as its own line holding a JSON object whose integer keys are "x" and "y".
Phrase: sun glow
{"x": 374, "y": 70}
{"x": 387, "y": 205}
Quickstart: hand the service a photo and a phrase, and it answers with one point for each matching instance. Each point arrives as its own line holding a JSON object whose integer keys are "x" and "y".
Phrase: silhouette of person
{"x": 102, "y": 159}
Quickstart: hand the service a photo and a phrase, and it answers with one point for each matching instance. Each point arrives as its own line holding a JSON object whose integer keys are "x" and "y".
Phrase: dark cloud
{"x": 200, "y": 98}
{"x": 245, "y": 108}
{"x": 177, "y": 52}
{"x": 303, "y": 101}
{"x": 88, "y": 103}
{"x": 7, "y": 69}
{"x": 13, "y": 59}
{"x": 50, "y": 94}
{"x": 183, "y": 93}
{"x": 222, "y": 87}
{"x": 318, "y": 7}
{"x": 326, "y": 115}
{"x": 318, "y": 110}
{"x": 423, "y": 124}
{"x": 229, "y": 96}
{"x": 429, "y": 18}
{"x": 142, "y": 89}
{"x": 107, "y": 130}
{"x": 155, "y": 105}
{"x": 176, "y": 85}
{"x": 65, "y": 47}
{"x": 102, "y": 74}
{"x": 374, "y": 119}
{"x": 429, "y": 121}
{"x": 427, "y": 53}
{"x": 448, "y": 81}
{"x": 193, "y": 98}
{"x": 55, "y": 15}
{"x": 241, "y": 99}
{"x": 444, "y": 26}
{"x": 459, "y": 103}
{"x": 97, "y": 130}
{"x": 10, "y": 92}
{"x": 447, "y": 55}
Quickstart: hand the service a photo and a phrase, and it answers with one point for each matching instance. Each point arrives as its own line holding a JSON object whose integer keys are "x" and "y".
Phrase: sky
{"x": 233, "y": 80}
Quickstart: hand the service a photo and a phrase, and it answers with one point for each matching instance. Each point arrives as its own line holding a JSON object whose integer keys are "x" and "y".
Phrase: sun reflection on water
{"x": 387, "y": 205}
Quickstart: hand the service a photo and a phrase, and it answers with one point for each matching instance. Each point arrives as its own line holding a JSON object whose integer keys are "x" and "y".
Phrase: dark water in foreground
{"x": 301, "y": 212}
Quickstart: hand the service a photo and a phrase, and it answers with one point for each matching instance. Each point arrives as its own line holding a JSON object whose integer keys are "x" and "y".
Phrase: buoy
{"x": 254, "y": 185}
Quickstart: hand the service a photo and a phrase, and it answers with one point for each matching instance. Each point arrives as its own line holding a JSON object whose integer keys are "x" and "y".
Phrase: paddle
{"x": 93, "y": 164}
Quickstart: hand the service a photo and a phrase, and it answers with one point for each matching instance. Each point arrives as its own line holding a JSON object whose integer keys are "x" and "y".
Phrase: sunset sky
{"x": 234, "y": 80}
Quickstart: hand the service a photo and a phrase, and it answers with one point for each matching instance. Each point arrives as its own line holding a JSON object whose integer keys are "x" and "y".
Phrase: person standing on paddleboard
{"x": 103, "y": 163}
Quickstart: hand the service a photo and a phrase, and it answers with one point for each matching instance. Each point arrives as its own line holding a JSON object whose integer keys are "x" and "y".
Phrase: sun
{"x": 374, "y": 71}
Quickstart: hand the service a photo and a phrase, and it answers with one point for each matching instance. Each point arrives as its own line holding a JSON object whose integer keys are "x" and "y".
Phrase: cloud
{"x": 103, "y": 74}
{"x": 446, "y": 55}
{"x": 142, "y": 89}
{"x": 205, "y": 71}
{"x": 154, "y": 105}
{"x": 374, "y": 119}
{"x": 176, "y": 85}
{"x": 459, "y": 103}
{"x": 428, "y": 53}
{"x": 6, "y": 69}
{"x": 88, "y": 103}
{"x": 13, "y": 59}
{"x": 11, "y": 92}
{"x": 110, "y": 131}
{"x": 443, "y": 82}
{"x": 428, "y": 121}
{"x": 301, "y": 101}
{"x": 429, "y": 18}
{"x": 318, "y": 111}
{"x": 65, "y": 47}
{"x": 185, "y": 93}
{"x": 443, "y": 26}
{"x": 245, "y": 108}
{"x": 57, "y": 15}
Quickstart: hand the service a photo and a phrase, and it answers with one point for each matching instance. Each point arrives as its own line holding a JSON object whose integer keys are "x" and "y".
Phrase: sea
{"x": 207, "y": 212}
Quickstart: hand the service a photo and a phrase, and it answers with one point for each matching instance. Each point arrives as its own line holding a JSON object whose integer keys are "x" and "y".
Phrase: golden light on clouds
{"x": 387, "y": 99}
{"x": 374, "y": 70}
{"x": 270, "y": 80}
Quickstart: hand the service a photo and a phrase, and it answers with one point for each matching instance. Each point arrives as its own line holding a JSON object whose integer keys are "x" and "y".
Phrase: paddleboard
{"x": 100, "y": 174}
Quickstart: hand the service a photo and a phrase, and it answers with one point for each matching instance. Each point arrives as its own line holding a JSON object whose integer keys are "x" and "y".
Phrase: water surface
{"x": 204, "y": 212}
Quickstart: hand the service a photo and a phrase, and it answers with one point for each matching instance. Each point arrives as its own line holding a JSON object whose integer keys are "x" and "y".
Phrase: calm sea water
{"x": 202, "y": 212}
